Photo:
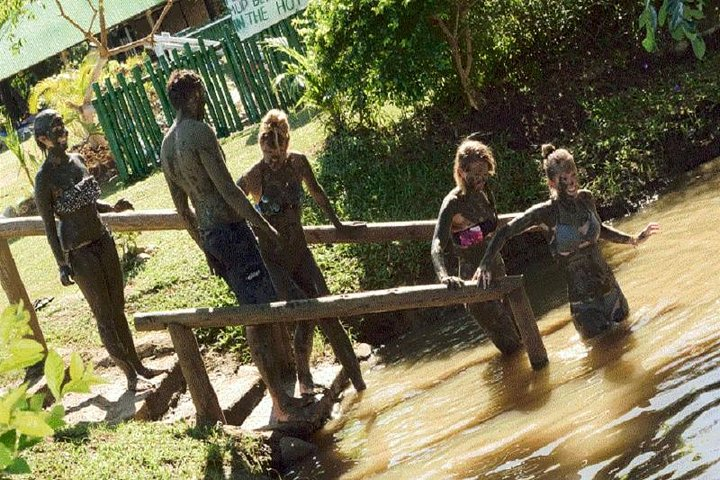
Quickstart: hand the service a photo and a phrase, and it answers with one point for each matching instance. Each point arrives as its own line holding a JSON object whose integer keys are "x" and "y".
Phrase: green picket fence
{"x": 132, "y": 122}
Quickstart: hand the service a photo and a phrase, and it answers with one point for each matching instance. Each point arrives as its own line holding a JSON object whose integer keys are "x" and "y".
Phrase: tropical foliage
{"x": 66, "y": 92}
{"x": 23, "y": 420}
{"x": 27, "y": 161}
{"x": 366, "y": 55}
{"x": 680, "y": 17}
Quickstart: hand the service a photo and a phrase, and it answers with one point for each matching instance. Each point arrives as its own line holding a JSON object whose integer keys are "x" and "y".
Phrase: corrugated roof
{"x": 49, "y": 34}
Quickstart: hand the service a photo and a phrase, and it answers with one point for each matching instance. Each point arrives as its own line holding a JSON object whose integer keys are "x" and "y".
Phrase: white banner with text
{"x": 252, "y": 16}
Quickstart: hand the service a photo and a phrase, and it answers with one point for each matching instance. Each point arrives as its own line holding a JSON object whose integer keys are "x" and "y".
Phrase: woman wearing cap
{"x": 82, "y": 245}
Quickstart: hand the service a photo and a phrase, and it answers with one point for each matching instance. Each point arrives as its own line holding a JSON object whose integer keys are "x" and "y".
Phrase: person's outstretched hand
{"x": 483, "y": 277}
{"x": 122, "y": 205}
{"x": 651, "y": 229}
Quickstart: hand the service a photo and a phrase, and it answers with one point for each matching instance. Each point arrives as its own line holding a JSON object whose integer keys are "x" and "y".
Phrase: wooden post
{"x": 525, "y": 321}
{"x": 203, "y": 395}
{"x": 15, "y": 290}
{"x": 238, "y": 79}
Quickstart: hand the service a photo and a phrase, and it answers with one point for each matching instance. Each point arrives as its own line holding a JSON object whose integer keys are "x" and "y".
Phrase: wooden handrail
{"x": 166, "y": 219}
{"x": 344, "y": 305}
{"x": 181, "y": 322}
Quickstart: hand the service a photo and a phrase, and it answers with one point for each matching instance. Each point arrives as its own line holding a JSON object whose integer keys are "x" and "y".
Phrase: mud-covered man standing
{"x": 194, "y": 168}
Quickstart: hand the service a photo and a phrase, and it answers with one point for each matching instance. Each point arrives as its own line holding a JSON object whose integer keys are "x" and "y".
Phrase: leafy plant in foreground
{"x": 23, "y": 420}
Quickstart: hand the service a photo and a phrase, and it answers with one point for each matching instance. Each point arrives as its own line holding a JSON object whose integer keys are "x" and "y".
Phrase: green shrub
{"x": 634, "y": 142}
{"x": 365, "y": 55}
{"x": 23, "y": 421}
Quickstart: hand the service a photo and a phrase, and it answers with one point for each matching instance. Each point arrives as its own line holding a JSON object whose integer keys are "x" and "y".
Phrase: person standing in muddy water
{"x": 82, "y": 245}
{"x": 194, "y": 167}
{"x": 573, "y": 228}
{"x": 466, "y": 221}
{"x": 275, "y": 184}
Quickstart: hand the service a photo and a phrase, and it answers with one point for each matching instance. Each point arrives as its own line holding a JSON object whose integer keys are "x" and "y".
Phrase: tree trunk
{"x": 462, "y": 60}
{"x": 87, "y": 111}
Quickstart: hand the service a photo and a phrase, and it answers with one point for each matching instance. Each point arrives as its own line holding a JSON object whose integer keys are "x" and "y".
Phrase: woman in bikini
{"x": 82, "y": 245}
{"x": 466, "y": 221}
{"x": 275, "y": 184}
{"x": 574, "y": 227}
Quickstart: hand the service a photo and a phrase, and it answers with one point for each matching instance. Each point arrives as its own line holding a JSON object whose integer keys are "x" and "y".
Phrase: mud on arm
{"x": 441, "y": 238}
{"x": 537, "y": 215}
{"x": 43, "y": 200}
{"x": 213, "y": 160}
{"x": 607, "y": 232}
{"x": 316, "y": 190}
{"x": 250, "y": 182}
{"x": 187, "y": 215}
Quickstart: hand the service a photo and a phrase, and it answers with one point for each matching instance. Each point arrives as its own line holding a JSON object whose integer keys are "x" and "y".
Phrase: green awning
{"x": 48, "y": 33}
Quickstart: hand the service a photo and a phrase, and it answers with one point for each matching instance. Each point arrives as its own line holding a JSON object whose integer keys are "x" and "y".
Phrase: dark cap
{"x": 43, "y": 120}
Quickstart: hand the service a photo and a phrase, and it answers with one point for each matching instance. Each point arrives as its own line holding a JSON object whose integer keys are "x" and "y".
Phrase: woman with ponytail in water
{"x": 573, "y": 225}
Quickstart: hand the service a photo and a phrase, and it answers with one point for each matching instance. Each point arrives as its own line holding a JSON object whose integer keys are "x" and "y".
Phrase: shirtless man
{"x": 194, "y": 168}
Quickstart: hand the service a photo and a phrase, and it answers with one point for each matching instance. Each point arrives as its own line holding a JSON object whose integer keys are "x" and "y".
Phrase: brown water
{"x": 645, "y": 403}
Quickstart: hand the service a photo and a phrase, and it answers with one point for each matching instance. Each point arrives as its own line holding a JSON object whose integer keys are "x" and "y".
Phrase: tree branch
{"x": 463, "y": 70}
{"x": 103, "y": 28}
{"x": 457, "y": 21}
{"x": 147, "y": 39}
{"x": 87, "y": 34}
{"x": 468, "y": 50}
{"x": 95, "y": 13}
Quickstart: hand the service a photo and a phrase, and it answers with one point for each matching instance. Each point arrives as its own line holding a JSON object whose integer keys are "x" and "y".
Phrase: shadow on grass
{"x": 78, "y": 434}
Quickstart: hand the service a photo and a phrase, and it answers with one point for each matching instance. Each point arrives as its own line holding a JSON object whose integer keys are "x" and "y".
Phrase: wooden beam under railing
{"x": 181, "y": 322}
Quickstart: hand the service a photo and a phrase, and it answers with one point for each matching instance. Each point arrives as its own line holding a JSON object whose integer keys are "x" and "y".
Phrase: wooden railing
{"x": 181, "y": 322}
{"x": 151, "y": 220}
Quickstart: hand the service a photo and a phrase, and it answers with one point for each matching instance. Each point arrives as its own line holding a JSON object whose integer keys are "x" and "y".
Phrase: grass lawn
{"x": 137, "y": 450}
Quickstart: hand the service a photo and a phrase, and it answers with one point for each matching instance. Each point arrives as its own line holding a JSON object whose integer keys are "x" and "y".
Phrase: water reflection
{"x": 642, "y": 403}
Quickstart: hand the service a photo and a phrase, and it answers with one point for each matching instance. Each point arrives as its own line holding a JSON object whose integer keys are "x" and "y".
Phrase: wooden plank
{"x": 239, "y": 80}
{"x": 527, "y": 325}
{"x": 158, "y": 82}
{"x": 233, "y": 119}
{"x": 345, "y": 305}
{"x": 149, "y": 220}
{"x": 147, "y": 113}
{"x": 148, "y": 147}
{"x": 15, "y": 289}
{"x": 203, "y": 395}
{"x": 126, "y": 129}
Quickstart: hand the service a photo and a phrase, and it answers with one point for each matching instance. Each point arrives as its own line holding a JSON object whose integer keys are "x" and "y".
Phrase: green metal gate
{"x": 134, "y": 112}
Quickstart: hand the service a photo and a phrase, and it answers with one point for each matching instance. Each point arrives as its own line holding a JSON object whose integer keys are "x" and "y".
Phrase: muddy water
{"x": 644, "y": 403}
